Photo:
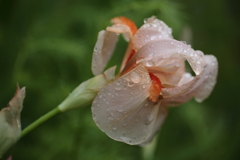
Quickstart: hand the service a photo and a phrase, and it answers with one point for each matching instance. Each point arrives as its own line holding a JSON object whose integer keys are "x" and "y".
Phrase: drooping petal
{"x": 107, "y": 40}
{"x": 153, "y": 29}
{"x": 208, "y": 78}
{"x": 122, "y": 109}
{"x": 103, "y": 51}
{"x": 166, "y": 51}
{"x": 162, "y": 114}
{"x": 200, "y": 87}
{"x": 123, "y": 25}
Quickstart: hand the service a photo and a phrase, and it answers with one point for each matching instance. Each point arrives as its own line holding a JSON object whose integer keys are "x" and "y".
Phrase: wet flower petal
{"x": 153, "y": 29}
{"x": 162, "y": 114}
{"x": 103, "y": 51}
{"x": 122, "y": 109}
{"x": 107, "y": 40}
{"x": 161, "y": 52}
{"x": 200, "y": 87}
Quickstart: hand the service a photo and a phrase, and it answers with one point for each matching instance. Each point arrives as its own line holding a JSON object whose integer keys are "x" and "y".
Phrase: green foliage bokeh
{"x": 47, "y": 45}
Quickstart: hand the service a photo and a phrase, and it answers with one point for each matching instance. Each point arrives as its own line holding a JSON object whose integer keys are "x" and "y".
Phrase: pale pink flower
{"x": 132, "y": 108}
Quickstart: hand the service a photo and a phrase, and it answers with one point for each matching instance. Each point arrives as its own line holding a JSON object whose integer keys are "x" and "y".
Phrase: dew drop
{"x": 154, "y": 25}
{"x": 149, "y": 63}
{"x": 96, "y": 49}
{"x": 119, "y": 109}
{"x": 130, "y": 141}
{"x": 146, "y": 25}
{"x": 135, "y": 77}
{"x": 114, "y": 128}
{"x": 144, "y": 86}
{"x": 130, "y": 84}
{"x": 119, "y": 82}
{"x": 145, "y": 20}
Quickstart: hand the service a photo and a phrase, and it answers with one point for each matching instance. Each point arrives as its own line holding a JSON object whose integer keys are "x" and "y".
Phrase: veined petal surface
{"x": 122, "y": 109}
{"x": 103, "y": 50}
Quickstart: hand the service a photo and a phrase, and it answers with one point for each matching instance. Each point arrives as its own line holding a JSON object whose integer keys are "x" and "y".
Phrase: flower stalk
{"x": 41, "y": 120}
{"x": 80, "y": 97}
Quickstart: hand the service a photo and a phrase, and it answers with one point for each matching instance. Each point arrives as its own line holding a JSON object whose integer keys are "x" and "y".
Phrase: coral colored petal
{"x": 127, "y": 22}
{"x": 103, "y": 50}
{"x": 122, "y": 109}
{"x": 120, "y": 28}
{"x": 153, "y": 29}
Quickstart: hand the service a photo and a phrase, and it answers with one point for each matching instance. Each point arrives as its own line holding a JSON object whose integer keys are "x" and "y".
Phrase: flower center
{"x": 155, "y": 89}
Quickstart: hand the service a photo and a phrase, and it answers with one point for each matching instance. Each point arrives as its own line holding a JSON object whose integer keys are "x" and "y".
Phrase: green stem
{"x": 149, "y": 149}
{"x": 40, "y": 120}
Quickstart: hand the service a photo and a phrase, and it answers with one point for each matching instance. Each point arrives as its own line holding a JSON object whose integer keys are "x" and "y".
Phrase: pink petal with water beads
{"x": 162, "y": 114}
{"x": 200, "y": 87}
{"x": 103, "y": 50}
{"x": 153, "y": 29}
{"x": 166, "y": 51}
{"x": 122, "y": 109}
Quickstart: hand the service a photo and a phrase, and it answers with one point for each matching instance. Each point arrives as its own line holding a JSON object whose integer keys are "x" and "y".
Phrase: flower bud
{"x": 10, "y": 125}
{"x": 87, "y": 91}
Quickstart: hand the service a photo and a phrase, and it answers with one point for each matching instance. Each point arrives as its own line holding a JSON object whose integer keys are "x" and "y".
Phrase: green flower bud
{"x": 87, "y": 91}
{"x": 10, "y": 125}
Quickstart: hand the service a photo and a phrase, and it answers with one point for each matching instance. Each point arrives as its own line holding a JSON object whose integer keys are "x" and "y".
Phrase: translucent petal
{"x": 153, "y": 29}
{"x": 166, "y": 51}
{"x": 187, "y": 77}
{"x": 200, "y": 87}
{"x": 110, "y": 73}
{"x": 122, "y": 109}
{"x": 121, "y": 28}
{"x": 162, "y": 114}
{"x": 208, "y": 78}
{"x": 166, "y": 75}
{"x": 103, "y": 51}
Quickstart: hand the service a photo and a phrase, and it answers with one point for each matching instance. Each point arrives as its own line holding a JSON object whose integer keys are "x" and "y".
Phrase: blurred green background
{"x": 46, "y": 45}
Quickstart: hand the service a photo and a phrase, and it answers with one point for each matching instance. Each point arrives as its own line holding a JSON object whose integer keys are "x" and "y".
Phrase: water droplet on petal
{"x": 96, "y": 49}
{"x": 149, "y": 63}
{"x": 114, "y": 128}
{"x": 120, "y": 109}
{"x": 130, "y": 84}
{"x": 135, "y": 77}
{"x": 145, "y": 20}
